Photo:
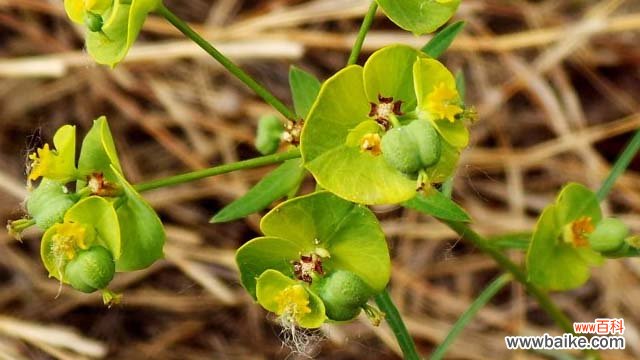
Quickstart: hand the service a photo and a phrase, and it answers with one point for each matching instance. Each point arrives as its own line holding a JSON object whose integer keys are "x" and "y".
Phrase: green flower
{"x": 90, "y": 223}
{"x": 113, "y": 25}
{"x": 357, "y": 108}
{"x": 321, "y": 258}
{"x": 102, "y": 227}
{"x": 419, "y": 16}
{"x": 560, "y": 254}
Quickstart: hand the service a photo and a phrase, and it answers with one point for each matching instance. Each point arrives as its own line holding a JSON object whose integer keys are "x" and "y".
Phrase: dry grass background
{"x": 556, "y": 87}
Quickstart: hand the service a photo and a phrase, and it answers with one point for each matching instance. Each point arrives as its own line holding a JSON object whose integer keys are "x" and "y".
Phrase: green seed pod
{"x": 269, "y": 134}
{"x": 91, "y": 269}
{"x": 344, "y": 294}
{"x": 93, "y": 21}
{"x": 411, "y": 148}
{"x": 48, "y": 203}
{"x": 609, "y": 235}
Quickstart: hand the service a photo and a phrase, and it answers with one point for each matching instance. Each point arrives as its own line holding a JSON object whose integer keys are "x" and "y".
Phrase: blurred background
{"x": 556, "y": 86}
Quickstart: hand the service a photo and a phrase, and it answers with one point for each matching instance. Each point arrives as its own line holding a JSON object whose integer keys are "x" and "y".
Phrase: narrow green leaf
{"x": 272, "y": 187}
{"x": 461, "y": 85}
{"x": 442, "y": 40}
{"x": 438, "y": 205}
{"x": 304, "y": 88}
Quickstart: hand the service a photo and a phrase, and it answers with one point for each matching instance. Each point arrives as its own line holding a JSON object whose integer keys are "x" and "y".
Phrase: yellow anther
{"x": 443, "y": 102}
{"x": 293, "y": 302}
{"x": 577, "y": 232}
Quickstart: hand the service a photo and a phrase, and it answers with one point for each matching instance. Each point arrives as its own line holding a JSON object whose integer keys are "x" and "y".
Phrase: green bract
{"x": 419, "y": 16}
{"x": 56, "y": 164}
{"x": 356, "y": 109}
{"x": 559, "y": 255}
{"x": 319, "y": 242}
{"x": 113, "y": 25}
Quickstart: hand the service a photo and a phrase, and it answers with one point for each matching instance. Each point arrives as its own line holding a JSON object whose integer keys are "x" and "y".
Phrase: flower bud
{"x": 48, "y": 203}
{"x": 344, "y": 294}
{"x": 91, "y": 269}
{"x": 269, "y": 134}
{"x": 608, "y": 235}
{"x": 411, "y": 148}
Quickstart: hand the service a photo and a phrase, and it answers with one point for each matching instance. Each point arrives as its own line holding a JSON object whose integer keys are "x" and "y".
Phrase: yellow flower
{"x": 69, "y": 238}
{"x": 41, "y": 162}
{"x": 293, "y": 302}
{"x": 443, "y": 102}
{"x": 51, "y": 164}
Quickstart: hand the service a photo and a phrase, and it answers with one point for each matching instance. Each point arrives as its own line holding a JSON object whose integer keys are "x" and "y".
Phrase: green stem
{"x": 620, "y": 166}
{"x": 482, "y": 299}
{"x": 218, "y": 170}
{"x": 518, "y": 274}
{"x": 364, "y": 29}
{"x": 394, "y": 319}
{"x": 224, "y": 61}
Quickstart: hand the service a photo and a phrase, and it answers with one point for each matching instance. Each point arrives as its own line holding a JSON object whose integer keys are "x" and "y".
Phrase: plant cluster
{"x": 388, "y": 132}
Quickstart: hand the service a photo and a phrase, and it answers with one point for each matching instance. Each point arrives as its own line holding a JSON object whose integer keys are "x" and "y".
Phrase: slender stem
{"x": 518, "y": 274}
{"x": 364, "y": 29}
{"x": 224, "y": 61}
{"x": 620, "y": 166}
{"x": 482, "y": 299}
{"x": 394, "y": 319}
{"x": 218, "y": 170}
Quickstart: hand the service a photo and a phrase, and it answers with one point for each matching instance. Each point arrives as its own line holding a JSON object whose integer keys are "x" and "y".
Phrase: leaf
{"x": 142, "y": 232}
{"x": 442, "y": 40}
{"x": 271, "y": 284}
{"x": 419, "y": 16}
{"x": 553, "y": 264}
{"x": 272, "y": 187}
{"x": 304, "y": 90}
{"x": 349, "y": 232}
{"x": 439, "y": 206}
{"x": 461, "y": 85}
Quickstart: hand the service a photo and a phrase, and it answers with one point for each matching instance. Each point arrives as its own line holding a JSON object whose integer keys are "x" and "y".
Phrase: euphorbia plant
{"x": 388, "y": 132}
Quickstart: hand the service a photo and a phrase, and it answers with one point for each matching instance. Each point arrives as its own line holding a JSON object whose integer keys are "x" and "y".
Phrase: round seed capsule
{"x": 48, "y": 203}
{"x": 411, "y": 148}
{"x": 343, "y": 294}
{"x": 608, "y": 235}
{"x": 93, "y": 21}
{"x": 91, "y": 269}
